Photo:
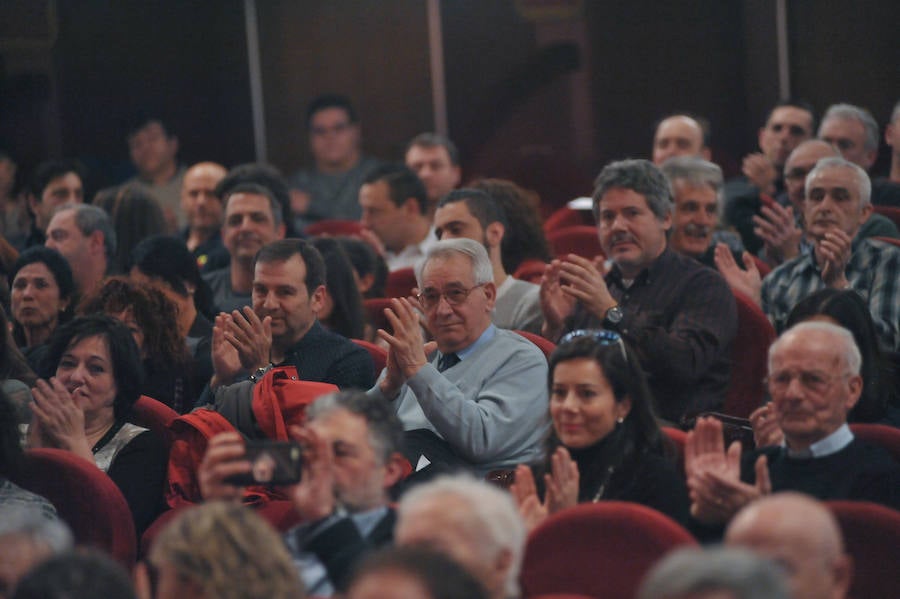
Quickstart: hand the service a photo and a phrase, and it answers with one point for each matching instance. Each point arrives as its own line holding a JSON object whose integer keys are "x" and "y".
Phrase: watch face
{"x": 614, "y": 315}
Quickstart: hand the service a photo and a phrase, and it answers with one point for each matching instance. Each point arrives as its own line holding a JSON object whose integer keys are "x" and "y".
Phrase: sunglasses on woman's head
{"x": 601, "y": 336}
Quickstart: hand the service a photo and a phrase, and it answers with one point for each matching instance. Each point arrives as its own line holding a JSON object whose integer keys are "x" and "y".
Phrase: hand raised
{"x": 223, "y": 458}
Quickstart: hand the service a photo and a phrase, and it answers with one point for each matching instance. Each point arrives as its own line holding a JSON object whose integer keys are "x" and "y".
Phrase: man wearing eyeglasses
{"x": 678, "y": 315}
{"x": 479, "y": 401}
{"x": 814, "y": 381}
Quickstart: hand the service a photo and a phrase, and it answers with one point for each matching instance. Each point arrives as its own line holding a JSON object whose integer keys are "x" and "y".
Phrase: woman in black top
{"x": 604, "y": 442}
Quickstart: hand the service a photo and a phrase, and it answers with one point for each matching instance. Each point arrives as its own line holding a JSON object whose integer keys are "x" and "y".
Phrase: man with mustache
{"x": 678, "y": 315}
{"x": 837, "y": 204}
{"x": 253, "y": 218}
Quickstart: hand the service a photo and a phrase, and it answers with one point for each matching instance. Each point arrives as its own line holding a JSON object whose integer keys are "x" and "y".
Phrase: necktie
{"x": 447, "y": 361}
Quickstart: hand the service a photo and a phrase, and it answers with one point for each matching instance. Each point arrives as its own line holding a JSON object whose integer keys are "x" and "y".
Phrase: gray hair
{"x": 863, "y": 183}
{"x": 89, "y": 218}
{"x": 740, "y": 571}
{"x": 849, "y": 112}
{"x": 844, "y": 338}
{"x": 385, "y": 428}
{"x": 32, "y": 523}
{"x": 492, "y": 512}
{"x": 694, "y": 171}
{"x": 482, "y": 269}
{"x": 640, "y": 176}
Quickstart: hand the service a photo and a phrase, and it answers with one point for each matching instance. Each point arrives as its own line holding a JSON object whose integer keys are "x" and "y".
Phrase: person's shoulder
{"x": 516, "y": 344}
{"x": 215, "y": 276}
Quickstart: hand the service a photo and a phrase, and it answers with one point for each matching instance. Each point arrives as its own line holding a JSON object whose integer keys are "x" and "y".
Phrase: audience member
{"x": 204, "y": 213}
{"x": 715, "y": 573}
{"x": 16, "y": 375}
{"x": 435, "y": 159}
{"x": 341, "y": 311}
{"x": 267, "y": 176}
{"x": 225, "y": 551}
{"x": 85, "y": 237}
{"x": 282, "y": 328}
{"x": 854, "y": 132}
{"x": 679, "y": 135}
{"x": 473, "y": 214}
{"x": 14, "y": 219}
{"x": 605, "y": 442}
{"x": 29, "y": 534}
{"x": 84, "y": 408}
{"x": 696, "y": 187}
{"x": 814, "y": 382}
{"x": 252, "y": 220}
{"x": 369, "y": 267}
{"x": 471, "y": 522}
{"x": 892, "y": 138}
{"x": 413, "y": 573}
{"x": 480, "y": 401}
{"x": 153, "y": 148}
{"x": 524, "y": 237}
{"x": 395, "y": 215}
{"x": 801, "y": 534}
{"x": 351, "y": 461}
{"x": 42, "y": 298}
{"x": 330, "y": 189}
{"x": 79, "y": 574}
{"x": 679, "y": 316}
{"x": 837, "y": 204}
{"x": 149, "y": 315}
{"x": 54, "y": 183}
{"x": 135, "y": 215}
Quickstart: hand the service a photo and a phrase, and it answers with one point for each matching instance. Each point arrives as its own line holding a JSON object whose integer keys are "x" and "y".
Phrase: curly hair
{"x": 152, "y": 310}
{"x": 229, "y": 551}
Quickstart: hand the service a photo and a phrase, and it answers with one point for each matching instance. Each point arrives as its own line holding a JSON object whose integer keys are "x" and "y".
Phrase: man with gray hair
{"x": 474, "y": 523}
{"x": 27, "y": 537}
{"x": 854, "y": 132}
{"x": 715, "y": 573}
{"x": 835, "y": 207}
{"x": 696, "y": 186}
{"x": 84, "y": 235}
{"x": 480, "y": 401}
{"x": 814, "y": 382}
{"x": 678, "y": 315}
{"x": 892, "y": 138}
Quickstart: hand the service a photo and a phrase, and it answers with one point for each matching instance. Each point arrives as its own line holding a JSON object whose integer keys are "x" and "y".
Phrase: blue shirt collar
{"x": 486, "y": 336}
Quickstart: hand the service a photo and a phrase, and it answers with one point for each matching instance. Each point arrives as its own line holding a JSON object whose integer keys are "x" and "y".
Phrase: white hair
{"x": 482, "y": 269}
{"x": 843, "y": 338}
{"x": 863, "y": 183}
{"x": 492, "y": 511}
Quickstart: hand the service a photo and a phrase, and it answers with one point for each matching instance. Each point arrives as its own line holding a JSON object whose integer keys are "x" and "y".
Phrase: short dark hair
{"x": 640, "y": 176}
{"x": 128, "y": 372}
{"x": 77, "y": 574}
{"x": 326, "y": 101}
{"x": 62, "y": 274}
{"x": 347, "y": 318}
{"x": 439, "y": 575}
{"x": 49, "y": 170}
{"x": 403, "y": 184}
{"x": 137, "y": 121}
{"x": 260, "y": 190}
{"x": 265, "y": 175}
{"x": 385, "y": 428}
{"x": 168, "y": 259}
{"x": 435, "y": 140}
{"x": 795, "y": 103}
{"x": 366, "y": 260}
{"x": 482, "y": 206}
{"x": 283, "y": 249}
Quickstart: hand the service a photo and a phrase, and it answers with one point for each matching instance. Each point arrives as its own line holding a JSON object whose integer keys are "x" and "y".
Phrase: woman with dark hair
{"x": 341, "y": 311}
{"x": 84, "y": 408}
{"x": 135, "y": 215}
{"x": 370, "y": 268}
{"x": 149, "y": 315}
{"x": 880, "y": 398}
{"x": 605, "y": 442}
{"x": 16, "y": 376}
{"x": 42, "y": 297}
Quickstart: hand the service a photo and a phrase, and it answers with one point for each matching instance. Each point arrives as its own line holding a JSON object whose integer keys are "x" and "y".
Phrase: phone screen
{"x": 271, "y": 463}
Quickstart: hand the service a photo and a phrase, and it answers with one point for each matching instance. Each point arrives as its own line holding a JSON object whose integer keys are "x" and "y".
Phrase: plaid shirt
{"x": 873, "y": 272}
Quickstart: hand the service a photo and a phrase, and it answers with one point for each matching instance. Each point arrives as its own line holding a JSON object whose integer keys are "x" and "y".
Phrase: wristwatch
{"x": 261, "y": 372}
{"x": 613, "y": 317}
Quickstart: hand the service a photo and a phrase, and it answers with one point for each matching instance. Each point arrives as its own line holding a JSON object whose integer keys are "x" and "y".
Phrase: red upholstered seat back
{"x": 749, "y": 358}
{"x": 871, "y": 537}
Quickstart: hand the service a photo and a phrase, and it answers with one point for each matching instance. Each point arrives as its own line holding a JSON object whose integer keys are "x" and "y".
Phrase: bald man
{"x": 204, "y": 212}
{"x": 795, "y": 530}
{"x": 679, "y": 135}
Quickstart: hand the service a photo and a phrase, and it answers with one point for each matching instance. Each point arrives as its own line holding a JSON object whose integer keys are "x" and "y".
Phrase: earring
{"x": 620, "y": 420}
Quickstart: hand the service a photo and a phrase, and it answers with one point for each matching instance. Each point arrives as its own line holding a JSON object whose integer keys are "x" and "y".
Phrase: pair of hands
{"x": 760, "y": 172}
{"x": 314, "y": 496}
{"x": 778, "y": 229}
{"x": 241, "y": 342}
{"x": 407, "y": 350}
{"x": 714, "y": 474}
{"x": 561, "y": 489}
{"x": 57, "y": 419}
{"x": 570, "y": 280}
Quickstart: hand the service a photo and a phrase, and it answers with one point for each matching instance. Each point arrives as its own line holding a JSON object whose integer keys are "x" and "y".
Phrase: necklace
{"x": 599, "y": 495}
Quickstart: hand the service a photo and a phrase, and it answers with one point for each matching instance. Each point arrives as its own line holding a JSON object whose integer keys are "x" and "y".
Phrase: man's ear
{"x": 490, "y": 291}
{"x": 842, "y": 571}
{"x": 494, "y": 234}
{"x": 317, "y": 299}
{"x": 411, "y": 207}
{"x": 394, "y": 470}
{"x": 280, "y": 230}
{"x": 855, "y": 386}
{"x": 706, "y": 153}
{"x": 96, "y": 242}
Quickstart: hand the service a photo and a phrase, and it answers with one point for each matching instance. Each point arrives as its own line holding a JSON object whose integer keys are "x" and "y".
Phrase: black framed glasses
{"x": 430, "y": 298}
{"x": 601, "y": 336}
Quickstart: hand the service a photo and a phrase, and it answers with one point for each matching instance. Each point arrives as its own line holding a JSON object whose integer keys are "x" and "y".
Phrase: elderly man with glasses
{"x": 478, "y": 402}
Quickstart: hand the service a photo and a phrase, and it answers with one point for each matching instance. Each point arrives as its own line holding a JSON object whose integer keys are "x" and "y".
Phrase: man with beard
{"x": 473, "y": 214}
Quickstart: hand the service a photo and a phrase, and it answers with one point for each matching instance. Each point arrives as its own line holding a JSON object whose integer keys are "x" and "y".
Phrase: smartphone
{"x": 271, "y": 463}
